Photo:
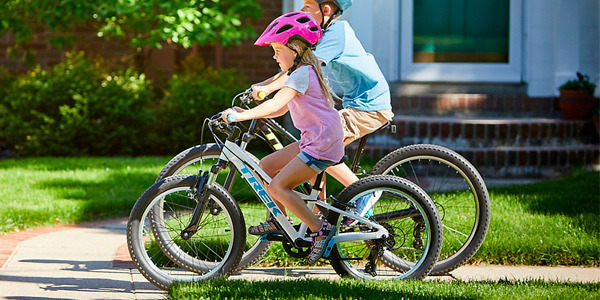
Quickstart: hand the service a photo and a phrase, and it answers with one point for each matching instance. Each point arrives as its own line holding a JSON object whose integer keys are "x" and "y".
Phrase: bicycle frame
{"x": 271, "y": 125}
{"x": 257, "y": 178}
{"x": 267, "y": 125}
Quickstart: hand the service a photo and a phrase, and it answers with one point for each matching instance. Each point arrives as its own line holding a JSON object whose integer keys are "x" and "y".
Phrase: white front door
{"x": 461, "y": 40}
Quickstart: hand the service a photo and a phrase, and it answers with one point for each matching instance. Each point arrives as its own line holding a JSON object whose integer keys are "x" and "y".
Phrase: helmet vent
{"x": 272, "y": 26}
{"x": 291, "y": 14}
{"x": 303, "y": 20}
{"x": 284, "y": 28}
{"x": 314, "y": 29}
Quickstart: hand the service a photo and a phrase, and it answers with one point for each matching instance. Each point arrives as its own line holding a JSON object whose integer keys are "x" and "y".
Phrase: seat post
{"x": 359, "y": 151}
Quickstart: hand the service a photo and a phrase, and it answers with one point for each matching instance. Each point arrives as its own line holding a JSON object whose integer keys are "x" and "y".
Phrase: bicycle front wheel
{"x": 202, "y": 158}
{"x": 458, "y": 191}
{"x": 411, "y": 219}
{"x": 157, "y": 221}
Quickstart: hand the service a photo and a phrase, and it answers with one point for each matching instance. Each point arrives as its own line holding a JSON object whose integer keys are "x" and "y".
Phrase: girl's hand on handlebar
{"x": 259, "y": 92}
{"x": 229, "y": 114}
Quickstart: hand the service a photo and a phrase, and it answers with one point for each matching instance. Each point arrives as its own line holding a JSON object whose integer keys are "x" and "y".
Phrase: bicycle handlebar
{"x": 246, "y": 96}
{"x": 221, "y": 125}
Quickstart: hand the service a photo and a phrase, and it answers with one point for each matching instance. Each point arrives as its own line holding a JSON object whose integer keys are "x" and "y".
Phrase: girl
{"x": 366, "y": 101}
{"x": 307, "y": 97}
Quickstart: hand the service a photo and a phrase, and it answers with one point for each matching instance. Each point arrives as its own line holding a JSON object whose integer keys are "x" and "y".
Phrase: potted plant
{"x": 577, "y": 98}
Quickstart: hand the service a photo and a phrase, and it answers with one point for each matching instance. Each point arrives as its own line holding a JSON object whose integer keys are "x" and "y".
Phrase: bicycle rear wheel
{"x": 202, "y": 158}
{"x": 154, "y": 234}
{"x": 414, "y": 226}
{"x": 458, "y": 191}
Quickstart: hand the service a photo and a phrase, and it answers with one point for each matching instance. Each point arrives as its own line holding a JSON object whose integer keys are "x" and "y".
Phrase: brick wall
{"x": 46, "y": 55}
{"x": 255, "y": 62}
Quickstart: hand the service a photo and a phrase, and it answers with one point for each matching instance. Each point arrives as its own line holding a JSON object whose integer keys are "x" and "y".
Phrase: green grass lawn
{"x": 358, "y": 289}
{"x": 47, "y": 191}
{"x": 546, "y": 223}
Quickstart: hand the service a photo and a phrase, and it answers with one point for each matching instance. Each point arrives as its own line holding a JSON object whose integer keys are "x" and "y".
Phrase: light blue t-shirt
{"x": 365, "y": 88}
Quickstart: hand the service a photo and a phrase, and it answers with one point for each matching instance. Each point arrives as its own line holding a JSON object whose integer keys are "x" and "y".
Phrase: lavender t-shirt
{"x": 319, "y": 124}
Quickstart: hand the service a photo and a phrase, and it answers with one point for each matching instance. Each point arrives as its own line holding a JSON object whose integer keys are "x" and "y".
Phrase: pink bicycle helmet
{"x": 289, "y": 26}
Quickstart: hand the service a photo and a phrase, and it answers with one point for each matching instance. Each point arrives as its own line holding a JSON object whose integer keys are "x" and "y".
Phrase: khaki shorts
{"x": 357, "y": 123}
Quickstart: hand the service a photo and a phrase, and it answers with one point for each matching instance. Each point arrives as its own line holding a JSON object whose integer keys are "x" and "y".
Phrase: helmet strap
{"x": 336, "y": 13}
{"x": 297, "y": 60}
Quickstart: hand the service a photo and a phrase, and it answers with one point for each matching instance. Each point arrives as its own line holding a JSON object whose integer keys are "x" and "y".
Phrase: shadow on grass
{"x": 111, "y": 197}
{"x": 572, "y": 196}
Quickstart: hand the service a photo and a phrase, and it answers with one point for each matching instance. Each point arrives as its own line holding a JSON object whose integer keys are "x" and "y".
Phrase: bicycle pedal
{"x": 328, "y": 248}
{"x": 272, "y": 237}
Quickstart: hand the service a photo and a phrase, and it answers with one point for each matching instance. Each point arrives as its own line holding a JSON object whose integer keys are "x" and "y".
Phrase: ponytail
{"x": 308, "y": 58}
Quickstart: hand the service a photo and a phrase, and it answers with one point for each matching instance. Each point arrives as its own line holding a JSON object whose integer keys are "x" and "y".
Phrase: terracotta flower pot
{"x": 576, "y": 104}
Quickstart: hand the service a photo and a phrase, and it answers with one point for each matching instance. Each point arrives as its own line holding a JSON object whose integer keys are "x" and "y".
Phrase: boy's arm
{"x": 270, "y": 85}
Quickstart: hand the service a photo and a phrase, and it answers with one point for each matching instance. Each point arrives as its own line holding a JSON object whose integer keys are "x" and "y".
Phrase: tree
{"x": 141, "y": 23}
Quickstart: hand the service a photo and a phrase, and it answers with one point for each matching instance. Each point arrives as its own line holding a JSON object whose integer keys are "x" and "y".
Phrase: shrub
{"x": 5, "y": 81}
{"x": 77, "y": 108}
{"x": 195, "y": 92}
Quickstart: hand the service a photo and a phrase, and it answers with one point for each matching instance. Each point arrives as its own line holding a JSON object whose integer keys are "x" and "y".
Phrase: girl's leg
{"x": 281, "y": 188}
{"x": 275, "y": 161}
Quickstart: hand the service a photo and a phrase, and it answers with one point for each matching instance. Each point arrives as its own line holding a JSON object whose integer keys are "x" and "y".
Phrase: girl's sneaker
{"x": 268, "y": 227}
{"x": 320, "y": 239}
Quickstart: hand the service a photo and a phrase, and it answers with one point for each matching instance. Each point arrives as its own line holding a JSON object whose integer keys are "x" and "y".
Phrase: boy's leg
{"x": 356, "y": 124}
{"x": 281, "y": 188}
{"x": 342, "y": 173}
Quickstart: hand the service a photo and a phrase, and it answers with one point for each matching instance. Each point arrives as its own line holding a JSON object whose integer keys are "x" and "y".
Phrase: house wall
{"x": 560, "y": 38}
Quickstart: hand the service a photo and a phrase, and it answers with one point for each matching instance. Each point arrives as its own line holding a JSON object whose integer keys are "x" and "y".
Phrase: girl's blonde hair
{"x": 309, "y": 58}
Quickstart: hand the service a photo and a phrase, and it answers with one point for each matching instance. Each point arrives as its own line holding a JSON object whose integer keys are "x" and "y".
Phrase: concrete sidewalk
{"x": 91, "y": 262}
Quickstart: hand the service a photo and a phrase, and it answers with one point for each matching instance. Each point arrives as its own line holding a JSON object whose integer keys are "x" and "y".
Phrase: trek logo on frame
{"x": 262, "y": 194}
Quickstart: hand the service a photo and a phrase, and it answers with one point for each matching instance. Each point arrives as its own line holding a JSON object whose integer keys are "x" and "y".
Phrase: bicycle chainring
{"x": 294, "y": 251}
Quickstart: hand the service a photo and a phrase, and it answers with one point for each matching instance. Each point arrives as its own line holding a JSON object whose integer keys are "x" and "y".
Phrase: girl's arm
{"x": 269, "y": 109}
{"x": 278, "y": 113}
{"x": 270, "y": 85}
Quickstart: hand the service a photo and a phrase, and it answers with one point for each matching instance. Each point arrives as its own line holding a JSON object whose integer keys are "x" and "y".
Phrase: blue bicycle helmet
{"x": 342, "y": 4}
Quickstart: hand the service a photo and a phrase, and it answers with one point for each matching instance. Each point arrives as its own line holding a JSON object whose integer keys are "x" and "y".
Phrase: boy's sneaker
{"x": 364, "y": 207}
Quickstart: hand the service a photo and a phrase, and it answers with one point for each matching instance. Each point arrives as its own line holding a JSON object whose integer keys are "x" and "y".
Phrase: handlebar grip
{"x": 262, "y": 95}
{"x": 231, "y": 118}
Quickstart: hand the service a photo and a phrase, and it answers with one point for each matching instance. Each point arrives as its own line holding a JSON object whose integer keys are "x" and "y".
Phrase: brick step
{"x": 479, "y": 105}
{"x": 518, "y": 162}
{"x": 479, "y": 133}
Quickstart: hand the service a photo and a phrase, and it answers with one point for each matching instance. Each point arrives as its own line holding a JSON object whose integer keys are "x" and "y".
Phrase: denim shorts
{"x": 319, "y": 165}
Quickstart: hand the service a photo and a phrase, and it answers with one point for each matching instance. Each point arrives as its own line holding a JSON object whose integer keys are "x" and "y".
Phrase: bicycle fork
{"x": 200, "y": 194}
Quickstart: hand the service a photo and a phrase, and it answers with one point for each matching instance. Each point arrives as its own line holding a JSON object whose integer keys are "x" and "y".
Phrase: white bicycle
{"x": 189, "y": 228}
